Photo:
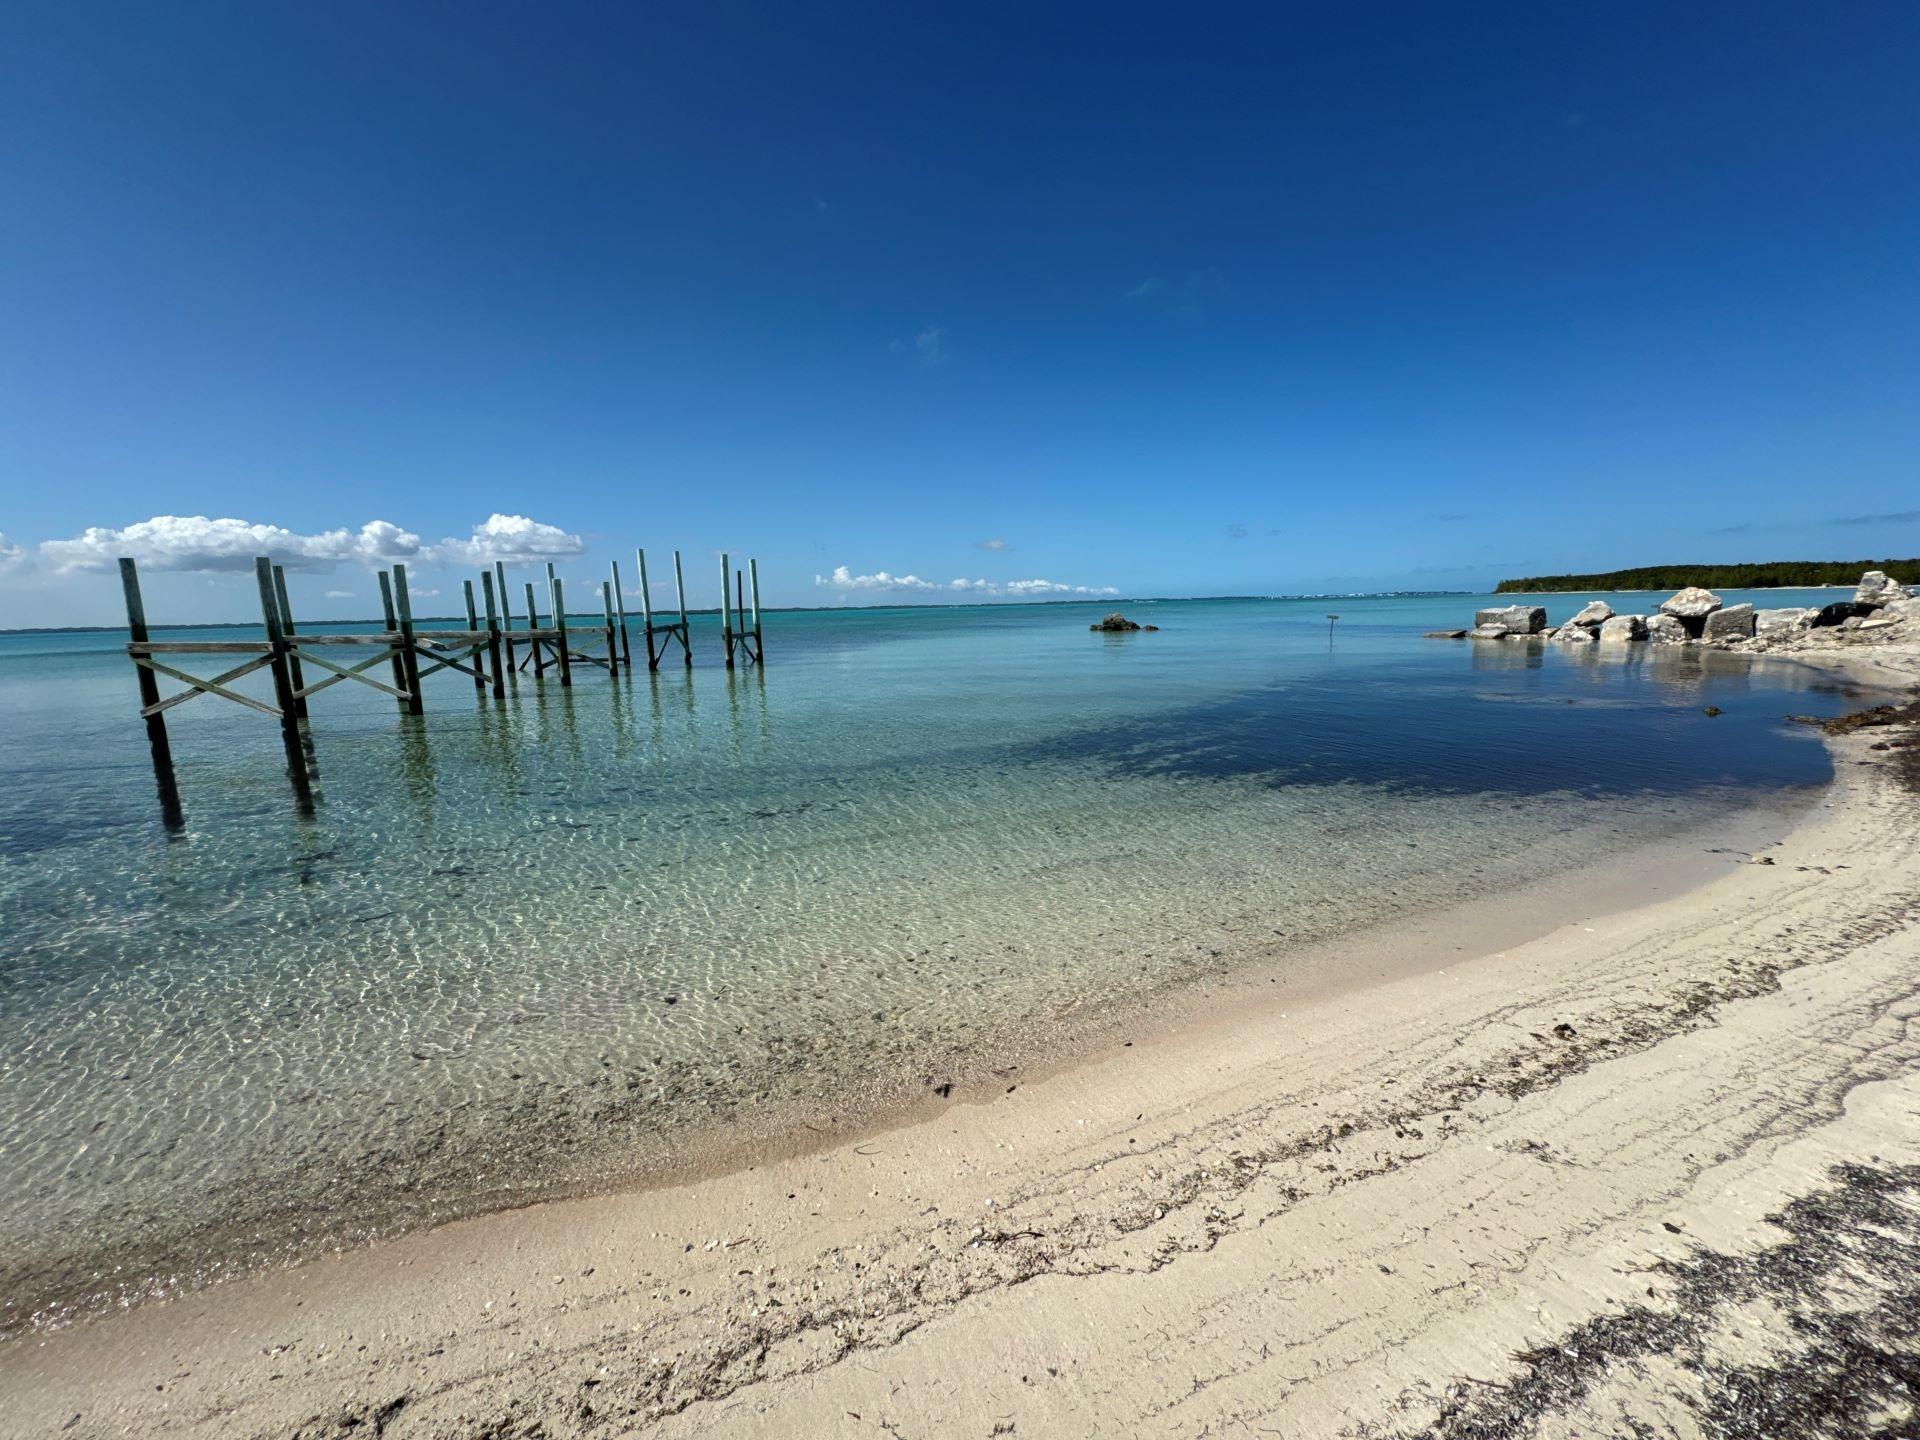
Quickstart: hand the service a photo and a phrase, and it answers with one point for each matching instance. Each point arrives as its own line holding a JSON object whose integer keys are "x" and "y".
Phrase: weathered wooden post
{"x": 620, "y": 611}
{"x": 473, "y": 628}
{"x": 680, "y": 594}
{"x": 533, "y": 623}
{"x": 759, "y": 646}
{"x": 726, "y": 610}
{"x": 613, "y": 647}
{"x": 156, "y": 721}
{"x": 393, "y": 629}
{"x": 293, "y": 652}
{"x": 282, "y": 679}
{"x": 560, "y": 631}
{"x": 646, "y": 610}
{"x": 493, "y": 637}
{"x": 403, "y": 605}
{"x": 506, "y": 608}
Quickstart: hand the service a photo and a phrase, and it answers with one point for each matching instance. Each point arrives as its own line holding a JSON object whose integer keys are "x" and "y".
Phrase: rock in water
{"x": 1735, "y": 622}
{"x": 1877, "y": 588}
{"x": 1692, "y": 603}
{"x": 1446, "y": 635}
{"x": 1619, "y": 629}
{"x": 1593, "y": 614}
{"x": 1489, "y": 632}
{"x": 1513, "y": 619}
{"x": 1572, "y": 634}
{"x": 1666, "y": 630}
{"x": 1772, "y": 624}
{"x": 1116, "y": 621}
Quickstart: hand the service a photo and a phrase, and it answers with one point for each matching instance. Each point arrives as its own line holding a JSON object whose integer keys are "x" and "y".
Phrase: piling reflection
{"x": 418, "y": 775}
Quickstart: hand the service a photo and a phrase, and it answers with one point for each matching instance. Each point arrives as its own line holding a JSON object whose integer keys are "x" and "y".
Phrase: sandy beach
{"x": 1654, "y": 1170}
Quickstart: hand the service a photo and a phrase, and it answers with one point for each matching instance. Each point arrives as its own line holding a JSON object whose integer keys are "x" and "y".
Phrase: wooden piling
{"x": 726, "y": 609}
{"x": 613, "y": 647}
{"x": 533, "y": 623}
{"x": 646, "y": 610}
{"x": 759, "y": 646}
{"x": 149, "y": 684}
{"x": 620, "y": 612}
{"x": 560, "y": 630}
{"x": 393, "y": 628}
{"x": 403, "y": 605}
{"x": 493, "y": 637}
{"x": 473, "y": 626}
{"x": 506, "y": 611}
{"x": 680, "y": 594}
{"x": 282, "y": 677}
{"x": 286, "y": 628}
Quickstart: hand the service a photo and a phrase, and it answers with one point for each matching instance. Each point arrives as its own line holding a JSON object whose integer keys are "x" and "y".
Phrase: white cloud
{"x": 339, "y": 594}
{"x": 10, "y": 553}
{"x": 929, "y": 347}
{"x": 1199, "y": 293}
{"x": 847, "y": 583}
{"x": 195, "y": 543}
{"x": 512, "y": 538}
{"x": 991, "y": 545}
{"x": 845, "y": 580}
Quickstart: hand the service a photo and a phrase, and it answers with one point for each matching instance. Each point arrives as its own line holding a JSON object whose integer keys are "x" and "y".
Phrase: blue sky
{"x": 1171, "y": 301}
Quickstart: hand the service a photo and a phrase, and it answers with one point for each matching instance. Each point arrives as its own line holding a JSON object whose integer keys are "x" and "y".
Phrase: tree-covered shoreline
{"x": 1757, "y": 575}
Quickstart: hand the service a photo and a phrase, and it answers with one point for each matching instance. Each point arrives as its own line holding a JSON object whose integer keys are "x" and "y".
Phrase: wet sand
{"x": 1651, "y": 1164}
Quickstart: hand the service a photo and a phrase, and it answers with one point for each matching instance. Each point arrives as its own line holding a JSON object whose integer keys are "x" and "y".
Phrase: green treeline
{"x": 1755, "y": 576}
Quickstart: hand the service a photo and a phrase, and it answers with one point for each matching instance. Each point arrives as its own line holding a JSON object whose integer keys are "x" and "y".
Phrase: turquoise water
{"x": 529, "y": 947}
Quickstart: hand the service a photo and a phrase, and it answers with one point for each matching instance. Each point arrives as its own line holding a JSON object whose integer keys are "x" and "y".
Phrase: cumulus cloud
{"x": 991, "y": 545}
{"x": 846, "y": 582}
{"x": 10, "y": 553}
{"x": 193, "y": 542}
{"x": 513, "y": 539}
{"x": 196, "y": 543}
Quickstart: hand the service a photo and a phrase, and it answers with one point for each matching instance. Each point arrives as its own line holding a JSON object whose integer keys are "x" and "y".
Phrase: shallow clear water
{"x": 519, "y": 948}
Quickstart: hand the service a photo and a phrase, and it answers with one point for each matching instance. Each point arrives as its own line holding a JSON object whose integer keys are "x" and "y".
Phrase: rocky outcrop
{"x": 1118, "y": 622}
{"x": 1697, "y": 616}
{"x": 1692, "y": 603}
{"x": 1877, "y": 588}
{"x": 1512, "y": 619}
{"x": 1732, "y": 622}
{"x": 1770, "y": 624}
{"x": 1667, "y": 630}
{"x": 1691, "y": 607}
{"x": 1592, "y": 615}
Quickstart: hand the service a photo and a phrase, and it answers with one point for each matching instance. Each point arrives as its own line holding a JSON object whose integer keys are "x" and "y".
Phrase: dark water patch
{"x": 1513, "y": 718}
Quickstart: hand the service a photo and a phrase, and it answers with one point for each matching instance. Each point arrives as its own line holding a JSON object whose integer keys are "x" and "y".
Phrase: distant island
{"x": 1762, "y": 575}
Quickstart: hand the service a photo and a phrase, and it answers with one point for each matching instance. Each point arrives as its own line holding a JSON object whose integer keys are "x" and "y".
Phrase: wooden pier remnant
{"x": 668, "y": 633}
{"x": 742, "y": 639}
{"x": 488, "y": 650}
